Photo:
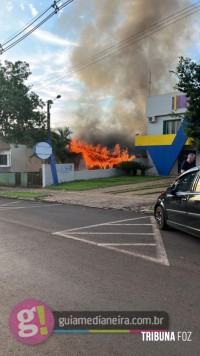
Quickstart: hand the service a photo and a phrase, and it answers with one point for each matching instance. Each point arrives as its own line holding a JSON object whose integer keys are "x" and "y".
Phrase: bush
{"x": 130, "y": 167}
{"x": 143, "y": 168}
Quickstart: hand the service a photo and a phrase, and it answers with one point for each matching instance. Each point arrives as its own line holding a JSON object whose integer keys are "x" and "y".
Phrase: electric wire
{"x": 28, "y": 25}
{"x": 36, "y": 27}
{"x": 168, "y": 21}
{"x": 116, "y": 45}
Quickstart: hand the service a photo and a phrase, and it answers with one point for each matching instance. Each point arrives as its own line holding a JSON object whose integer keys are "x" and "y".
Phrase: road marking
{"x": 159, "y": 243}
{"x": 113, "y": 233}
{"x": 13, "y": 202}
{"x": 24, "y": 207}
{"x": 128, "y": 224}
{"x": 161, "y": 256}
{"x": 119, "y": 244}
{"x": 75, "y": 238}
{"x": 102, "y": 224}
{"x": 144, "y": 257}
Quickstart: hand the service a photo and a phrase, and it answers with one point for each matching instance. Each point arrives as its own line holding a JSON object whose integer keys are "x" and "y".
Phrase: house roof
{"x": 4, "y": 145}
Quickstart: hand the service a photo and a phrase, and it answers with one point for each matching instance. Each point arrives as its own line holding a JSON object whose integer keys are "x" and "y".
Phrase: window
{"x": 171, "y": 126}
{"x": 4, "y": 159}
{"x": 179, "y": 102}
{"x": 184, "y": 183}
{"x": 198, "y": 185}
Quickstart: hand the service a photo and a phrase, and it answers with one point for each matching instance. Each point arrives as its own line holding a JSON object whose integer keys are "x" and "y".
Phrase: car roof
{"x": 190, "y": 170}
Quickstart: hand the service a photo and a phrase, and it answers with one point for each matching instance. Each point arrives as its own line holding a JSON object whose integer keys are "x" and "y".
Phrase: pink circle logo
{"x": 31, "y": 321}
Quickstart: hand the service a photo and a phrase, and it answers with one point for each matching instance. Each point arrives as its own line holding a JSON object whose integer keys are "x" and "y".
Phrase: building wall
{"x": 18, "y": 158}
{"x": 22, "y": 160}
{"x": 165, "y": 141}
{"x": 161, "y": 105}
{"x": 66, "y": 173}
{"x": 161, "y": 109}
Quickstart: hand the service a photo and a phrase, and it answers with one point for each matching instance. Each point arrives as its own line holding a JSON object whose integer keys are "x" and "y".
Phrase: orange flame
{"x": 98, "y": 156}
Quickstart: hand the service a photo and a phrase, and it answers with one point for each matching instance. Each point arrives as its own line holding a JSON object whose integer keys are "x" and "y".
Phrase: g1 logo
{"x": 31, "y": 321}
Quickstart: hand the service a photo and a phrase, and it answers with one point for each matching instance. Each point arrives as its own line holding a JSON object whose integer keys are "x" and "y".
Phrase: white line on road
{"x": 112, "y": 224}
{"x": 76, "y": 238}
{"x": 144, "y": 257}
{"x": 111, "y": 233}
{"x": 13, "y": 202}
{"x": 25, "y": 207}
{"x": 102, "y": 224}
{"x": 159, "y": 243}
{"x": 132, "y": 244}
{"x": 161, "y": 256}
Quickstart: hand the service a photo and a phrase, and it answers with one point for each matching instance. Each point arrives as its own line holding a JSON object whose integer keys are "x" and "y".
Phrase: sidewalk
{"x": 118, "y": 197}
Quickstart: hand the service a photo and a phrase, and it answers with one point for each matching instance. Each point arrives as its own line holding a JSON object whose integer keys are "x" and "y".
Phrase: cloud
{"x": 53, "y": 39}
{"x": 9, "y": 6}
{"x": 22, "y": 6}
{"x": 33, "y": 10}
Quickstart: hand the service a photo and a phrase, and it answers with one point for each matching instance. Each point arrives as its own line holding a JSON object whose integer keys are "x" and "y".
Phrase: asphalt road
{"x": 78, "y": 258}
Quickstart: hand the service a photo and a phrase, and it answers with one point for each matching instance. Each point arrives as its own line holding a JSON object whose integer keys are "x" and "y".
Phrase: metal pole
{"x": 150, "y": 83}
{"x": 52, "y": 161}
{"x": 48, "y": 120}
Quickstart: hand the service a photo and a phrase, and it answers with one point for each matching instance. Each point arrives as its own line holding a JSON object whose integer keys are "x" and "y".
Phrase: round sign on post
{"x": 43, "y": 150}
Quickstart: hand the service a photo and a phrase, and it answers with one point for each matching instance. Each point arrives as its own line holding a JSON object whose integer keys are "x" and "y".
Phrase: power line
{"x": 56, "y": 9}
{"x": 29, "y": 24}
{"x": 160, "y": 25}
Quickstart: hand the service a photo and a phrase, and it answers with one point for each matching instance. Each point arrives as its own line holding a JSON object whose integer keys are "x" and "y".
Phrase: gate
{"x": 34, "y": 179}
{"x": 17, "y": 179}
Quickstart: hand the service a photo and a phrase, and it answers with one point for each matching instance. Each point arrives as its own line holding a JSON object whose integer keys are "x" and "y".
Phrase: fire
{"x": 98, "y": 156}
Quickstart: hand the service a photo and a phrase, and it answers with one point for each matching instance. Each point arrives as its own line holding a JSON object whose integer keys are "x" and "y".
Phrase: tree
{"x": 21, "y": 118}
{"x": 188, "y": 73}
{"x": 60, "y": 141}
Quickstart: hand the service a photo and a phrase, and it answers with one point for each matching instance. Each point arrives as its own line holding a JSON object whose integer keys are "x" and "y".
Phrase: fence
{"x": 66, "y": 173}
{"x": 34, "y": 179}
{"x": 24, "y": 179}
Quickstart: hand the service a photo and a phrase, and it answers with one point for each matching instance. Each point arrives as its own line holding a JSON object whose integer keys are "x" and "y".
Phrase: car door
{"x": 176, "y": 201}
{"x": 193, "y": 206}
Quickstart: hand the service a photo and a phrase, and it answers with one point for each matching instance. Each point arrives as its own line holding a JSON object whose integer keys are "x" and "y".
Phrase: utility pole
{"x": 52, "y": 161}
{"x": 49, "y": 103}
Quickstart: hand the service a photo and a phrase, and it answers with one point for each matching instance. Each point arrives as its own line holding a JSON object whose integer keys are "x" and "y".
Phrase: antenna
{"x": 150, "y": 82}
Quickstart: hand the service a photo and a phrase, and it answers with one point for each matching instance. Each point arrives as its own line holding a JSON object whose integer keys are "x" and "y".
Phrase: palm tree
{"x": 60, "y": 141}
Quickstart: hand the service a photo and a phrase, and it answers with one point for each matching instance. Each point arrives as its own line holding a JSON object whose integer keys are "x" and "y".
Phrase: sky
{"x": 104, "y": 102}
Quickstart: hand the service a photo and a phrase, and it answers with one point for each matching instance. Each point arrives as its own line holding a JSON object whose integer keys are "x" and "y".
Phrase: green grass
{"x": 103, "y": 182}
{"x": 22, "y": 195}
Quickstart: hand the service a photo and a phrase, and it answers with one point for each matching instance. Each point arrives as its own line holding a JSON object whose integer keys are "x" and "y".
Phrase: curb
{"x": 142, "y": 209}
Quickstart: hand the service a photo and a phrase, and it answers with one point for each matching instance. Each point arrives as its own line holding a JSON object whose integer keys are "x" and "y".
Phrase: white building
{"x": 17, "y": 158}
{"x": 166, "y": 143}
{"x": 18, "y": 167}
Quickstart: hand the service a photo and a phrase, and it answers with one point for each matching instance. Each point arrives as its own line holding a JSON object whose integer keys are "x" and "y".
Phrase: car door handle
{"x": 184, "y": 198}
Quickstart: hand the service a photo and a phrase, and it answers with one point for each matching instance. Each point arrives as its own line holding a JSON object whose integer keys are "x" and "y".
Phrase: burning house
{"x": 99, "y": 157}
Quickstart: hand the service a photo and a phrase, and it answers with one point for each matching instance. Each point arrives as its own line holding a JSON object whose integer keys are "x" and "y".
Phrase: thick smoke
{"x": 112, "y": 102}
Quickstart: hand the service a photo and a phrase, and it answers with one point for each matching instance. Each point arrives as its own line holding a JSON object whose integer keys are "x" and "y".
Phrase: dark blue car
{"x": 179, "y": 205}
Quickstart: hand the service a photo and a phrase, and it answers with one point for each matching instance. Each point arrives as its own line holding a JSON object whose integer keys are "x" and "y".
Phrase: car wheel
{"x": 160, "y": 218}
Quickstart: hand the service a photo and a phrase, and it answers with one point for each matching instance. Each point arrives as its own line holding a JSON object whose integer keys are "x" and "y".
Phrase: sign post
{"x": 44, "y": 150}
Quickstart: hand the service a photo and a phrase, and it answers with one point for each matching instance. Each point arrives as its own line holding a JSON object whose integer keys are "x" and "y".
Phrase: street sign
{"x": 43, "y": 150}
